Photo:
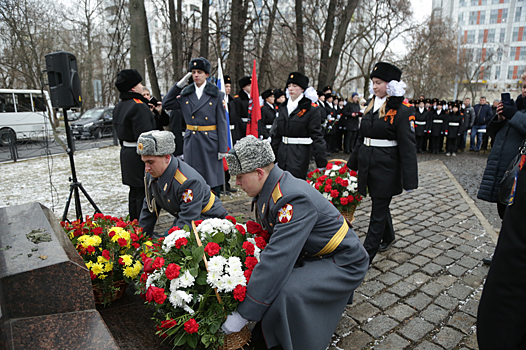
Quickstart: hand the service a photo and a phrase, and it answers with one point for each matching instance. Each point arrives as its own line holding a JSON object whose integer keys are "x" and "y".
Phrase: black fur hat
{"x": 245, "y": 81}
{"x": 126, "y": 79}
{"x": 386, "y": 72}
{"x": 298, "y": 79}
{"x": 267, "y": 93}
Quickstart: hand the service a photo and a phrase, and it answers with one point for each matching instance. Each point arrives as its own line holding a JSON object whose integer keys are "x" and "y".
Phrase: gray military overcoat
{"x": 202, "y": 147}
{"x": 298, "y": 298}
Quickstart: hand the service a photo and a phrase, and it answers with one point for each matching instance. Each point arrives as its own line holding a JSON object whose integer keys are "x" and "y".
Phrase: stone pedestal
{"x": 46, "y": 298}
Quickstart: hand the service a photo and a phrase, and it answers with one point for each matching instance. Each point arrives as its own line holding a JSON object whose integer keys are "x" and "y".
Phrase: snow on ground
{"x": 98, "y": 170}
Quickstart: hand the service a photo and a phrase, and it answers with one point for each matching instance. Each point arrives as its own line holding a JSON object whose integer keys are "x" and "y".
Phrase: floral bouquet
{"x": 111, "y": 249}
{"x": 338, "y": 184}
{"x": 197, "y": 278}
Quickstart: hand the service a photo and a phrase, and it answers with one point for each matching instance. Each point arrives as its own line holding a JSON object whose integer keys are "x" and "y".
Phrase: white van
{"x": 24, "y": 113}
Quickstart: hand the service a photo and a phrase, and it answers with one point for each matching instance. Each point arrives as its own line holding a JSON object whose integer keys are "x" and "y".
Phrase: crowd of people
{"x": 183, "y": 172}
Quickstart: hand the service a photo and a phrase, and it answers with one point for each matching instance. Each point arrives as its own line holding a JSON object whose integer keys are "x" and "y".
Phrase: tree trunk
{"x": 204, "y": 28}
{"x": 176, "y": 39}
{"x": 147, "y": 45}
{"x": 265, "y": 55}
{"x": 136, "y": 36}
{"x": 234, "y": 66}
{"x": 299, "y": 36}
{"x": 326, "y": 45}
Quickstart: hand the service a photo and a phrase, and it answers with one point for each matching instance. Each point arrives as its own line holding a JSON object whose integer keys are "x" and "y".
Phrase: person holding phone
{"x": 161, "y": 117}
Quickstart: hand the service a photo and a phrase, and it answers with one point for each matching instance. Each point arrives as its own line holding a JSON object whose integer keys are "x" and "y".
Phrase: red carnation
{"x": 240, "y": 292}
{"x": 358, "y": 198}
{"x": 111, "y": 234}
{"x": 92, "y": 275}
{"x": 198, "y": 222}
{"x": 260, "y": 242}
{"x": 149, "y": 294}
{"x": 351, "y": 198}
{"x": 121, "y": 262}
{"x": 327, "y": 188}
{"x": 148, "y": 262}
{"x": 191, "y": 326}
{"x": 309, "y": 175}
{"x": 345, "y": 183}
{"x": 344, "y": 200}
{"x": 134, "y": 237}
{"x": 322, "y": 178}
{"x": 250, "y": 262}
{"x": 91, "y": 249}
{"x": 212, "y": 248}
{"x": 231, "y": 219}
{"x": 249, "y": 248}
{"x": 342, "y": 170}
{"x": 162, "y": 334}
{"x": 353, "y": 173}
{"x": 172, "y": 271}
{"x": 317, "y": 170}
{"x": 247, "y": 274}
{"x": 158, "y": 294}
{"x": 144, "y": 277}
{"x": 337, "y": 162}
{"x": 97, "y": 231}
{"x": 338, "y": 180}
{"x": 241, "y": 229}
{"x": 158, "y": 263}
{"x": 136, "y": 245}
{"x": 106, "y": 254}
{"x": 121, "y": 224}
{"x": 122, "y": 242}
{"x": 328, "y": 182}
{"x": 329, "y": 166}
{"x": 168, "y": 323}
{"x": 180, "y": 242}
{"x": 317, "y": 185}
{"x": 175, "y": 228}
{"x": 98, "y": 216}
{"x": 334, "y": 193}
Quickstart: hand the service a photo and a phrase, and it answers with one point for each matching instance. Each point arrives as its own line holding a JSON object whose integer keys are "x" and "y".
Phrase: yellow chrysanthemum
{"x": 120, "y": 233}
{"x": 108, "y": 267}
{"x": 127, "y": 259}
{"x": 89, "y": 264}
{"x": 101, "y": 259}
{"x": 129, "y": 272}
{"x": 71, "y": 235}
{"x": 102, "y": 276}
{"x": 96, "y": 241}
{"x": 137, "y": 267}
{"x": 146, "y": 248}
{"x": 97, "y": 268}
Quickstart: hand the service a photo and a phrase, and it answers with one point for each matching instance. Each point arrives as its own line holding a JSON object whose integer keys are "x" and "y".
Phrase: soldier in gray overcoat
{"x": 173, "y": 185}
{"x": 312, "y": 264}
{"x": 205, "y": 139}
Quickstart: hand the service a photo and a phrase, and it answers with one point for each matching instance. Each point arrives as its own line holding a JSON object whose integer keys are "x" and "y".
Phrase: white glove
{"x": 221, "y": 156}
{"x": 408, "y": 191}
{"x": 234, "y": 322}
{"x": 183, "y": 82}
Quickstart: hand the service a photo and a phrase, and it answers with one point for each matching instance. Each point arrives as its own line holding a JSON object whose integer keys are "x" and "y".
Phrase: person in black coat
{"x": 235, "y": 120}
{"x": 421, "y": 125}
{"x": 502, "y": 309}
{"x": 132, "y": 117}
{"x": 241, "y": 101}
{"x": 351, "y": 114}
{"x": 385, "y": 155}
{"x": 268, "y": 114}
{"x": 453, "y": 123}
{"x": 298, "y": 130}
{"x": 162, "y": 118}
{"x": 436, "y": 128}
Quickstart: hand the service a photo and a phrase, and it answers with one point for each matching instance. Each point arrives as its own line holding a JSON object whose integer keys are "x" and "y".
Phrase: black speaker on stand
{"x": 65, "y": 92}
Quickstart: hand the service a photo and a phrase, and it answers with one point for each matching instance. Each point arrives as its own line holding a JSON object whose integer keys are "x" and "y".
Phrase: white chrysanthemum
{"x": 209, "y": 227}
{"x": 333, "y": 173}
{"x": 180, "y": 298}
{"x": 186, "y": 280}
{"x": 188, "y": 309}
{"x": 213, "y": 279}
{"x": 153, "y": 278}
{"x": 336, "y": 167}
{"x": 327, "y": 172}
{"x": 169, "y": 241}
{"x": 240, "y": 279}
{"x": 174, "y": 285}
{"x": 353, "y": 186}
{"x": 228, "y": 283}
{"x": 345, "y": 194}
{"x": 353, "y": 179}
{"x": 216, "y": 263}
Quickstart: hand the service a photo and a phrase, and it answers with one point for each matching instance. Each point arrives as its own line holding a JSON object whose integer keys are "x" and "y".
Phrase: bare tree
{"x": 205, "y": 9}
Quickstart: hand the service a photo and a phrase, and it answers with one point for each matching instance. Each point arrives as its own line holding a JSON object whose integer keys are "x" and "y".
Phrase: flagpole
{"x": 221, "y": 86}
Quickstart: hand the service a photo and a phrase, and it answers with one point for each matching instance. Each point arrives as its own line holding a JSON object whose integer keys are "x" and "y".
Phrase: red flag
{"x": 254, "y": 109}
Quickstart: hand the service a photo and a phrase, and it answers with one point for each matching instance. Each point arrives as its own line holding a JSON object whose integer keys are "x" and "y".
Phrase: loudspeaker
{"x": 64, "y": 81}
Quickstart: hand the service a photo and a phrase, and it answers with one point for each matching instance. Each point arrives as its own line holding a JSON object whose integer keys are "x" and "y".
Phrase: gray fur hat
{"x": 248, "y": 154}
{"x": 156, "y": 143}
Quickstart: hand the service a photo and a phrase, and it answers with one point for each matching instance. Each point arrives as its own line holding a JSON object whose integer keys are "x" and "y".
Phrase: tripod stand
{"x": 75, "y": 185}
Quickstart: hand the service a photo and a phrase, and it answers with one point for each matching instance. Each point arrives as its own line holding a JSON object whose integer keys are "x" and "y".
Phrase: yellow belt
{"x": 201, "y": 127}
{"x": 210, "y": 203}
{"x": 335, "y": 240}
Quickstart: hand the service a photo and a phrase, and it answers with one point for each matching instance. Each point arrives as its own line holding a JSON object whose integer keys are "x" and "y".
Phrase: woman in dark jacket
{"x": 508, "y": 129}
{"x": 385, "y": 155}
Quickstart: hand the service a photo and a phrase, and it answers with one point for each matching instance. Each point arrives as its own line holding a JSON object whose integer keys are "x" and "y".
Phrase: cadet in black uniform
{"x": 436, "y": 128}
{"x": 132, "y": 117}
{"x": 385, "y": 155}
{"x": 235, "y": 120}
{"x": 268, "y": 114}
{"x": 452, "y": 129}
{"x": 351, "y": 114}
{"x": 297, "y": 128}
{"x": 242, "y": 100}
{"x": 421, "y": 125}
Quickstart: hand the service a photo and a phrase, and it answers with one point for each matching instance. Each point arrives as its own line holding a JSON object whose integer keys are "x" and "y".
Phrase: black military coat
{"x": 241, "y": 101}
{"x": 235, "y": 121}
{"x": 132, "y": 117}
{"x": 421, "y": 122}
{"x": 303, "y": 122}
{"x": 350, "y": 122}
{"x": 453, "y": 124}
{"x": 386, "y": 171}
{"x": 437, "y": 122}
{"x": 268, "y": 114}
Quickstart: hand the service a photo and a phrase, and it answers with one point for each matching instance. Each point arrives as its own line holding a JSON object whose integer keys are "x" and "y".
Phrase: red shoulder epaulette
{"x": 137, "y": 100}
{"x": 236, "y": 96}
{"x": 314, "y": 104}
{"x": 407, "y": 104}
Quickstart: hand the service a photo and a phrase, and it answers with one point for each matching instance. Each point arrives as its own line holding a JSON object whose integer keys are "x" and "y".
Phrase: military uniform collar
{"x": 270, "y": 192}
{"x": 165, "y": 180}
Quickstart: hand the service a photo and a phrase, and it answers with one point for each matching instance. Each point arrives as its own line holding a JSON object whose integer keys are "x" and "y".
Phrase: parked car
{"x": 96, "y": 122}
{"x": 72, "y": 116}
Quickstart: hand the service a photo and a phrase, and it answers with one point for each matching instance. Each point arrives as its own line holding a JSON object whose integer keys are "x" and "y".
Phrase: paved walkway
{"x": 423, "y": 293}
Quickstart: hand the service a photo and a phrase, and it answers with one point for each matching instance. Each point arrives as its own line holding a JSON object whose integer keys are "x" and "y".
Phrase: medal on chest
{"x": 285, "y": 213}
{"x": 188, "y": 196}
